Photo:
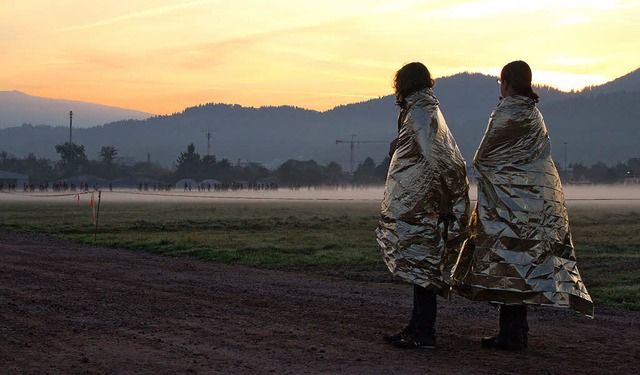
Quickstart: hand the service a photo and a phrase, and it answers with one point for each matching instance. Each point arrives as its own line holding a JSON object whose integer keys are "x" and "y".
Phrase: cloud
{"x": 204, "y": 55}
{"x": 137, "y": 15}
{"x": 494, "y": 8}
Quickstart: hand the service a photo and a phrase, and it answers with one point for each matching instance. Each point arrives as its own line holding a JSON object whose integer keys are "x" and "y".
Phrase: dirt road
{"x": 73, "y": 309}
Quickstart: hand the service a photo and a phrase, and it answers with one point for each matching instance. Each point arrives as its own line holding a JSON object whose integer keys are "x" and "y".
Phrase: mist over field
{"x": 574, "y": 194}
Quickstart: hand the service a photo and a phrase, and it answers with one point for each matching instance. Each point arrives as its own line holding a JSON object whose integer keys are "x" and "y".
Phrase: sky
{"x": 161, "y": 56}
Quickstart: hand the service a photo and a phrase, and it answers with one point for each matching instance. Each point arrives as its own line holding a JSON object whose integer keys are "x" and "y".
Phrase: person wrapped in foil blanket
{"x": 520, "y": 251}
{"x": 425, "y": 209}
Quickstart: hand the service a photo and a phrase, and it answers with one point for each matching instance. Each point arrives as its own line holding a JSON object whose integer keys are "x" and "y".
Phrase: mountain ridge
{"x": 17, "y": 108}
{"x": 595, "y": 124}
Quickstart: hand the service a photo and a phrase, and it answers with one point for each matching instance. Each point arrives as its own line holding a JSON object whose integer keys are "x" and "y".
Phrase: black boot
{"x": 407, "y": 331}
{"x": 514, "y": 329}
{"x": 403, "y": 334}
{"x": 423, "y": 319}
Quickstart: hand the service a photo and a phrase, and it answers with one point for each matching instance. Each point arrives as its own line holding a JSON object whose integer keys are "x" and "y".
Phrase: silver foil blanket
{"x": 520, "y": 250}
{"x": 425, "y": 209}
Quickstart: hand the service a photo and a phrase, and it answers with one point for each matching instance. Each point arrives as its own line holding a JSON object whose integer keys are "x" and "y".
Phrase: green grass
{"x": 325, "y": 237}
{"x": 320, "y": 236}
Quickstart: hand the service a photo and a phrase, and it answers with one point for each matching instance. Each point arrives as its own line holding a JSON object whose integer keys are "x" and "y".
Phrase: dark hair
{"x": 518, "y": 75}
{"x": 411, "y": 78}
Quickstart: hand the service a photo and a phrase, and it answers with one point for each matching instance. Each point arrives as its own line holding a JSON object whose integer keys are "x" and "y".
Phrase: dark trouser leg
{"x": 522, "y": 325}
{"x": 422, "y": 323}
{"x": 518, "y": 327}
{"x": 525, "y": 334}
{"x": 409, "y": 329}
{"x": 514, "y": 329}
{"x": 425, "y": 309}
{"x": 423, "y": 316}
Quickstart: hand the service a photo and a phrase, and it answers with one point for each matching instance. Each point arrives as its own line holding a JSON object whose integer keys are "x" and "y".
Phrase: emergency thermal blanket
{"x": 425, "y": 209}
{"x": 520, "y": 250}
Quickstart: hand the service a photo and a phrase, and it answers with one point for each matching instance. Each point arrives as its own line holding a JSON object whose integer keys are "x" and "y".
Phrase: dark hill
{"x": 628, "y": 83}
{"x": 599, "y": 125}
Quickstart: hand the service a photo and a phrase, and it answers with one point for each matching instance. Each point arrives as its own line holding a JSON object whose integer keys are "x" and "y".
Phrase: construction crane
{"x": 352, "y": 145}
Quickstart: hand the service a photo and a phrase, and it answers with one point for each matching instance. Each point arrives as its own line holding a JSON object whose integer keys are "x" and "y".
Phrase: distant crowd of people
{"x": 64, "y": 186}
{"x": 145, "y": 186}
{"x": 57, "y": 186}
{"x": 330, "y": 186}
{"x": 9, "y": 186}
{"x": 234, "y": 186}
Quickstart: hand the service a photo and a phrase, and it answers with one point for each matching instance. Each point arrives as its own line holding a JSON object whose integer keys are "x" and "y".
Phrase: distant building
{"x": 17, "y": 180}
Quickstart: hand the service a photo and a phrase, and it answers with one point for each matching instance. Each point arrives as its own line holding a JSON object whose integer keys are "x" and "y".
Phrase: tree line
{"x": 602, "y": 173}
{"x": 189, "y": 165}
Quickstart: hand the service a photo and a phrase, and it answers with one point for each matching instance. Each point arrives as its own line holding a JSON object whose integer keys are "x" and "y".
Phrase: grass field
{"x": 329, "y": 236}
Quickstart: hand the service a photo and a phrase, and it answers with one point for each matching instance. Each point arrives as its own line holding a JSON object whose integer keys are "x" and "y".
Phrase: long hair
{"x": 518, "y": 75}
{"x": 411, "y": 78}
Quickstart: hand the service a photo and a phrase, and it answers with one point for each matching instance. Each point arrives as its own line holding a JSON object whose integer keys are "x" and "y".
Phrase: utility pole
{"x": 70, "y": 125}
{"x": 208, "y": 133}
{"x": 565, "y": 159}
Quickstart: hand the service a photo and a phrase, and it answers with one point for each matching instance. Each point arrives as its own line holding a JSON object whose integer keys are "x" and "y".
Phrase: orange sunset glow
{"x": 161, "y": 56}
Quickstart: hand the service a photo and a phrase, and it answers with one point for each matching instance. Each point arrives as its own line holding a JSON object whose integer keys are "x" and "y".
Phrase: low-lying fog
{"x": 616, "y": 194}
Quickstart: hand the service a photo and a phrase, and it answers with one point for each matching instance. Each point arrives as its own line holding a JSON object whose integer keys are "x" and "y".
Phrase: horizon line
{"x": 371, "y": 97}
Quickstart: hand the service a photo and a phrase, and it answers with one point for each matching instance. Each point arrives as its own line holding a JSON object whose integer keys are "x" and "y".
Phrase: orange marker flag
{"x": 93, "y": 208}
